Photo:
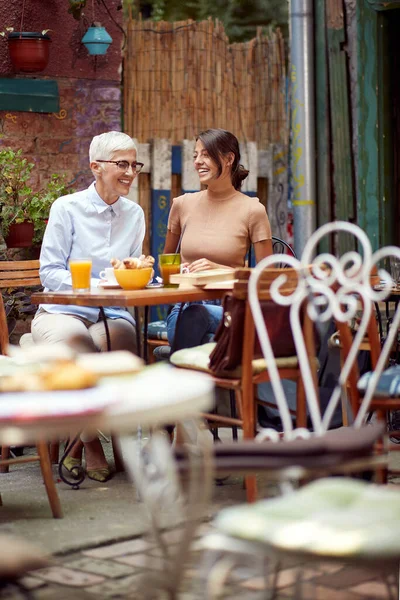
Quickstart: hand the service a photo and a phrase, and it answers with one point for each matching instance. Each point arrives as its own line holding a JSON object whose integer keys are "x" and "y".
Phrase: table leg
{"x": 145, "y": 334}
{"x": 138, "y": 338}
{"x": 172, "y": 495}
{"x": 378, "y": 314}
{"x": 104, "y": 319}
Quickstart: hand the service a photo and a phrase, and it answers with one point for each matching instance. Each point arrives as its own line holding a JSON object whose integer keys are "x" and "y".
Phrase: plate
{"x": 154, "y": 285}
{"x": 28, "y": 406}
{"x": 108, "y": 285}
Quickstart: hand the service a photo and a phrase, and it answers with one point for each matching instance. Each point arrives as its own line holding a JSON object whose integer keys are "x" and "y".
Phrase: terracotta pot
{"x": 20, "y": 235}
{"x": 29, "y": 51}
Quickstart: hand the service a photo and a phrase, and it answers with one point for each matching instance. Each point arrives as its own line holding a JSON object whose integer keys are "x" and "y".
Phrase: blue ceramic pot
{"x": 96, "y": 40}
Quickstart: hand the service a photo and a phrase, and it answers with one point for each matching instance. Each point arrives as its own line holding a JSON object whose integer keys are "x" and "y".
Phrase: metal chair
{"x": 331, "y": 288}
{"x": 279, "y": 246}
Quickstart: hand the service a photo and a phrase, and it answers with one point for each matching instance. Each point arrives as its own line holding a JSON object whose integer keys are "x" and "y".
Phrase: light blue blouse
{"x": 82, "y": 225}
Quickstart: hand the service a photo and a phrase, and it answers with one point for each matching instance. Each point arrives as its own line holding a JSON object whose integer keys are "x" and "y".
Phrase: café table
{"x": 157, "y": 395}
{"x": 150, "y": 296}
{"x": 101, "y": 298}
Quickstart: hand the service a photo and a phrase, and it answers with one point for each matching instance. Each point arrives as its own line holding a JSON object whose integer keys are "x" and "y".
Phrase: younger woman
{"x": 219, "y": 224}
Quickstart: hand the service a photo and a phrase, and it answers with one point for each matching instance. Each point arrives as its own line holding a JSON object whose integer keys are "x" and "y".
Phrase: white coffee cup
{"x": 108, "y": 275}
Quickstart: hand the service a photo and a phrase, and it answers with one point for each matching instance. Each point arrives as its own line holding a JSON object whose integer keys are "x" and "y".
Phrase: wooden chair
{"x": 14, "y": 274}
{"x": 251, "y": 371}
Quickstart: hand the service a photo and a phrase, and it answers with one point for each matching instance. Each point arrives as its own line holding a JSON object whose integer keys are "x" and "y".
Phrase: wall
{"x": 69, "y": 58}
{"x": 89, "y": 87}
{"x": 59, "y": 143}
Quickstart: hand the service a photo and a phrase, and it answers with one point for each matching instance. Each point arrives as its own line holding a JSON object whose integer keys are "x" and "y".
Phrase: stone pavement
{"x": 121, "y": 570}
{"x": 109, "y": 555}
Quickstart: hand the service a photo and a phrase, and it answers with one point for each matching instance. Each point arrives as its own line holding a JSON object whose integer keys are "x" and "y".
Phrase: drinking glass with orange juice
{"x": 169, "y": 264}
{"x": 81, "y": 271}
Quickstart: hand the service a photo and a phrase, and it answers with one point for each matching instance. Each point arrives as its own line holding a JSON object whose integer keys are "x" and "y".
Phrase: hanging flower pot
{"x": 96, "y": 40}
{"x": 20, "y": 235}
{"x": 29, "y": 51}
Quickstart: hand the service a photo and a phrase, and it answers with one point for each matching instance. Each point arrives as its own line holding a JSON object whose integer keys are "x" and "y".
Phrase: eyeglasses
{"x": 123, "y": 165}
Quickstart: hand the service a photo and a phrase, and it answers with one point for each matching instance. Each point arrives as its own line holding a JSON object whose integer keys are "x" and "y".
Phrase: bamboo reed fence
{"x": 181, "y": 78}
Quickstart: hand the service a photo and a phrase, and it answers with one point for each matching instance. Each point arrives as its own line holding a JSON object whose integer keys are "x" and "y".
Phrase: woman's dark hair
{"x": 219, "y": 142}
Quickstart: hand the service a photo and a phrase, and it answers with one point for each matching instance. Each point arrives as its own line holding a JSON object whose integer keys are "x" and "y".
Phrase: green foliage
{"x": 76, "y": 7}
{"x": 240, "y": 17}
{"x": 39, "y": 206}
{"x": 18, "y": 201}
{"x": 15, "y": 194}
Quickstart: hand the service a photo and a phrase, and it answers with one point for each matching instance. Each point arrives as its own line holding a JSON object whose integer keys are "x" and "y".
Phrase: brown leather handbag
{"x": 227, "y": 354}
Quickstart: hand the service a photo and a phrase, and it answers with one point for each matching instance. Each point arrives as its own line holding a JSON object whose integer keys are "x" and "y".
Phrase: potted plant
{"x": 29, "y": 50}
{"x": 24, "y": 212}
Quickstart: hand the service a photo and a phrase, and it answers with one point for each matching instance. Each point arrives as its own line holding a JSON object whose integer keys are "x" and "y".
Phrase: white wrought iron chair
{"x": 331, "y": 288}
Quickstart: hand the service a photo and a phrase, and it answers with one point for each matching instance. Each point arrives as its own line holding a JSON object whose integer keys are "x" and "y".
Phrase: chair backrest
{"x": 327, "y": 287}
{"x": 279, "y": 246}
{"x": 19, "y": 273}
{"x": 15, "y": 274}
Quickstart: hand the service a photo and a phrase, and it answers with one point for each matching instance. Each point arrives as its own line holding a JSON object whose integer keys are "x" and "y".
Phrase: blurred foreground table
{"x": 158, "y": 395}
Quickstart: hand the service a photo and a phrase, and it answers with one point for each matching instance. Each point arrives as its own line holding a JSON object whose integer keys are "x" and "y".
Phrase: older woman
{"x": 100, "y": 223}
{"x": 219, "y": 224}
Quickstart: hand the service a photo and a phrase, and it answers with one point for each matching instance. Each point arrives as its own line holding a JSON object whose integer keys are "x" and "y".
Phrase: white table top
{"x": 160, "y": 394}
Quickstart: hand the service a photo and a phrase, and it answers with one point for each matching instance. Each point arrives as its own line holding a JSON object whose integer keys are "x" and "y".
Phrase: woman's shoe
{"x": 71, "y": 464}
{"x": 100, "y": 475}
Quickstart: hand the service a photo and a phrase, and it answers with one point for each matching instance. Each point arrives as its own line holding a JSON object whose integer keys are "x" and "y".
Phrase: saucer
{"x": 108, "y": 285}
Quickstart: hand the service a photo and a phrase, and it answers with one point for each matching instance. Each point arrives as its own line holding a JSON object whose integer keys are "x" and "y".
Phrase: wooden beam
{"x": 387, "y": 209}
{"x": 322, "y": 130}
{"x": 342, "y": 149}
{"x": 367, "y": 126}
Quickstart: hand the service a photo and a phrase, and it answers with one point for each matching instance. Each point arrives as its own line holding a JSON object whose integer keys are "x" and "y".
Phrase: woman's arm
{"x": 171, "y": 242}
{"x": 262, "y": 249}
{"x": 56, "y": 247}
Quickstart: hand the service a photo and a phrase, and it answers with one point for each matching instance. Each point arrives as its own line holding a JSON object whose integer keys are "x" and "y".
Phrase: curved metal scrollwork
{"x": 331, "y": 288}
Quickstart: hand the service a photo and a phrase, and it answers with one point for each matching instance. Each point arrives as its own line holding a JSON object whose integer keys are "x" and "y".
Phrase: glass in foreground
{"x": 81, "y": 271}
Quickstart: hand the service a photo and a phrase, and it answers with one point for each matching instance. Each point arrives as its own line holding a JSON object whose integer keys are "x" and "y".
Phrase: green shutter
{"x": 31, "y": 95}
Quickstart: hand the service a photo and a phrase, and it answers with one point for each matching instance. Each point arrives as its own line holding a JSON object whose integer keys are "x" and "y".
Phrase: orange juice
{"x": 169, "y": 265}
{"x": 167, "y": 271}
{"x": 81, "y": 270}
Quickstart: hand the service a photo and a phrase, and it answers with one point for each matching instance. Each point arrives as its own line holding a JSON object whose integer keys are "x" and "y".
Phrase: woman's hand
{"x": 202, "y": 264}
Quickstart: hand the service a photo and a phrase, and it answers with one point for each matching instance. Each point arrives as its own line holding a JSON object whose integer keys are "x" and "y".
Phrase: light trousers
{"x": 82, "y": 334}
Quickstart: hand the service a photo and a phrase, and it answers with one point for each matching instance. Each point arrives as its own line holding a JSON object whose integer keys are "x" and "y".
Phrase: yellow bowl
{"x": 133, "y": 279}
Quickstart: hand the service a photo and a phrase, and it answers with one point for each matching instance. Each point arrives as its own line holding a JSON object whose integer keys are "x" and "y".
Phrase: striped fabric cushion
{"x": 157, "y": 330}
{"x": 198, "y": 358}
{"x": 388, "y": 384}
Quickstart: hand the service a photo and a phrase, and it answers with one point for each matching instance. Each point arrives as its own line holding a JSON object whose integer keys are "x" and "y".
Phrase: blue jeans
{"x": 197, "y": 325}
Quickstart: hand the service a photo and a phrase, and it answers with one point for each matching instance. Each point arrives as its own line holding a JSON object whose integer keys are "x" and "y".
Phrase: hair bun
{"x": 239, "y": 175}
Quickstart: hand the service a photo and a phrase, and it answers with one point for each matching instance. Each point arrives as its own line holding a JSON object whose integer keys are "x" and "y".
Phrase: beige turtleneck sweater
{"x": 219, "y": 227}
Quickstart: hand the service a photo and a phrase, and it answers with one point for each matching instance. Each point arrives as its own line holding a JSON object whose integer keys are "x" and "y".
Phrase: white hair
{"x": 104, "y": 146}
